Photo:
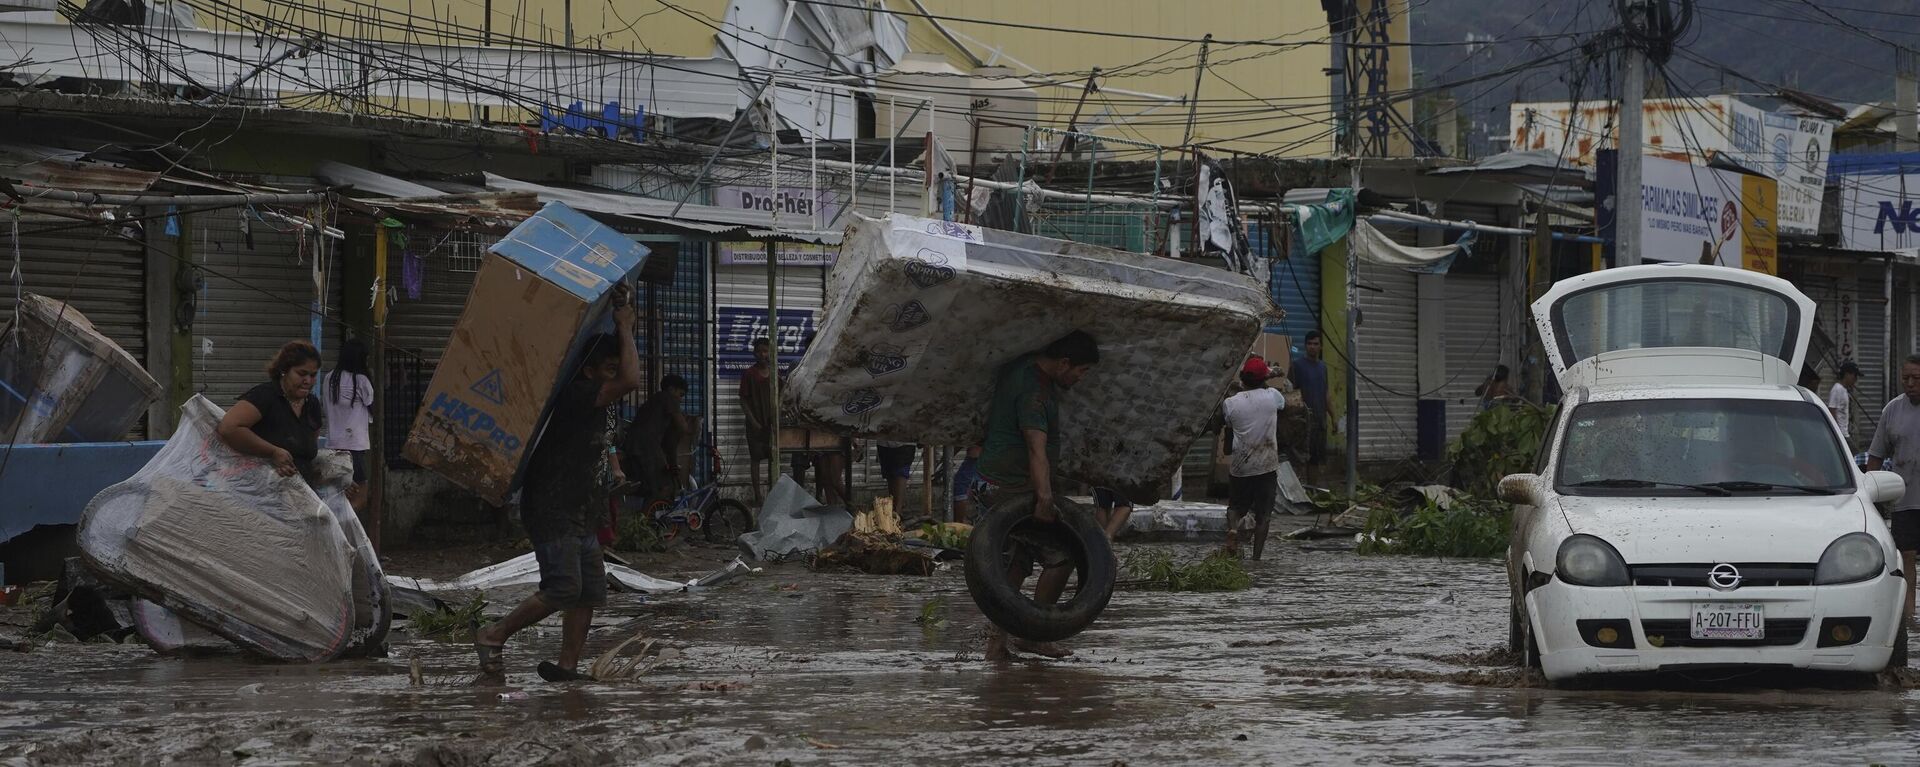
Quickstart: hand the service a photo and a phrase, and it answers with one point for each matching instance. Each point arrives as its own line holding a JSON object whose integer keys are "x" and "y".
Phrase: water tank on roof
{"x": 1005, "y": 108}
{"x": 910, "y": 83}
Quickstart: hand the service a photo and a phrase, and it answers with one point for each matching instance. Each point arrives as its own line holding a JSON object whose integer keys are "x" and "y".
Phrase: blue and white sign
{"x": 737, "y": 326}
{"x": 1880, "y": 211}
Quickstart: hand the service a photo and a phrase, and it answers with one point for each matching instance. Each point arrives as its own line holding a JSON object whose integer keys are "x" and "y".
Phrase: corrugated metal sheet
{"x": 1295, "y": 285}
{"x": 95, "y": 270}
{"x": 745, "y": 288}
{"x": 1874, "y": 357}
{"x": 419, "y": 325}
{"x": 1472, "y": 342}
{"x": 253, "y": 299}
{"x": 1388, "y": 358}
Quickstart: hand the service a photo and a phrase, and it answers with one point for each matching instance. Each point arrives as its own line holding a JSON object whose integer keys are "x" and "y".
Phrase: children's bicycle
{"x": 702, "y": 509}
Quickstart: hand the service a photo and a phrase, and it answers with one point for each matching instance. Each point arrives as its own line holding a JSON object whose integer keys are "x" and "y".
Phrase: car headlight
{"x": 1851, "y": 558}
{"x": 1588, "y": 561}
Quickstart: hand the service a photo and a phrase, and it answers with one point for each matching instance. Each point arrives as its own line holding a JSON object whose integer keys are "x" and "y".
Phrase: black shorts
{"x": 359, "y": 466}
{"x": 896, "y": 462}
{"x": 1025, "y": 548}
{"x": 1254, "y": 494}
{"x": 1906, "y": 530}
{"x": 573, "y": 574}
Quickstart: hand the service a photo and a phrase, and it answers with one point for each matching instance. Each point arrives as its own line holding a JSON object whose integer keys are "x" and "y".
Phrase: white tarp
{"x": 921, "y": 314}
{"x": 1370, "y": 246}
{"x": 225, "y": 542}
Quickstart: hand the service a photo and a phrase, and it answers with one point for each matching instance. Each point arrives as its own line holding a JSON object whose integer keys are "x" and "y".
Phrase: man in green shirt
{"x": 1022, "y": 444}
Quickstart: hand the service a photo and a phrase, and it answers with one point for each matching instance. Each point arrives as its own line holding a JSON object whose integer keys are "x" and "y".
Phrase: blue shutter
{"x": 1296, "y": 286}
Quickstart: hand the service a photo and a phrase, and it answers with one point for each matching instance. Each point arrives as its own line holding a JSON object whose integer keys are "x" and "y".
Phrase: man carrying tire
{"x": 1022, "y": 443}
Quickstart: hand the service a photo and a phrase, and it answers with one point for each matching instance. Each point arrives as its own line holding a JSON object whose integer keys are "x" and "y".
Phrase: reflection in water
{"x": 1331, "y": 658}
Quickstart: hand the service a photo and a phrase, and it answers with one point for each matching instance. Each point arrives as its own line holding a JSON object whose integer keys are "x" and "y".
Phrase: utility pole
{"x": 1906, "y": 97}
{"x": 1193, "y": 104}
{"x": 1626, "y": 190}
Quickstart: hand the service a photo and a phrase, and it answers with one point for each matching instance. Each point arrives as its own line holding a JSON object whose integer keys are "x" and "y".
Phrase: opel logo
{"x": 1724, "y": 577}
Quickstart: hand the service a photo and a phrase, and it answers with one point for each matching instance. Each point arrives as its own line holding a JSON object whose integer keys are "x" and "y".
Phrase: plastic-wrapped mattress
{"x": 921, "y": 313}
{"x": 221, "y": 540}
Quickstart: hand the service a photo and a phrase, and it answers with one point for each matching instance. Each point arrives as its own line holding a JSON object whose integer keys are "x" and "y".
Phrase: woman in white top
{"x": 348, "y": 396}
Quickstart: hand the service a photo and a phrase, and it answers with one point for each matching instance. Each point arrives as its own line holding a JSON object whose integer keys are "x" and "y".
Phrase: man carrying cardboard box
{"x": 559, "y": 499}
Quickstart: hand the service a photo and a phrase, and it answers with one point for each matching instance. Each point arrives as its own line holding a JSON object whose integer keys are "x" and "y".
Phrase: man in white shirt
{"x": 1840, "y": 400}
{"x": 1254, "y": 476}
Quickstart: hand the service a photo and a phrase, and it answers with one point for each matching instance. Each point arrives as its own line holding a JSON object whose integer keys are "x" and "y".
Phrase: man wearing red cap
{"x": 1254, "y": 480}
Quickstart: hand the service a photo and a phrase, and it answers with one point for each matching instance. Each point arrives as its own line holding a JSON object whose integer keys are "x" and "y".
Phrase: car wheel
{"x": 1516, "y": 638}
{"x": 1002, "y": 601}
{"x": 1530, "y": 648}
{"x": 727, "y": 521}
{"x": 1899, "y": 657}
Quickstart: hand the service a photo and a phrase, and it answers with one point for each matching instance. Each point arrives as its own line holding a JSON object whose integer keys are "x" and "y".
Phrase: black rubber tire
{"x": 1013, "y": 611}
{"x": 1516, "y": 636}
{"x": 1530, "y": 655}
{"x": 727, "y": 521}
{"x": 1899, "y": 657}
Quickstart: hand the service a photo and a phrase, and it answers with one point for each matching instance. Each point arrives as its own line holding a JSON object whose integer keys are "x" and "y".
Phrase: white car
{"x": 1691, "y": 507}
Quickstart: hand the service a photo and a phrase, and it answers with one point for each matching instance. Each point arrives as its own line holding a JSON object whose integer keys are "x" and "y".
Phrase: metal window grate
{"x": 466, "y": 249}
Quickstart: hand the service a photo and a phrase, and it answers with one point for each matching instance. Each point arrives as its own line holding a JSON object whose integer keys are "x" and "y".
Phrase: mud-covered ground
{"x": 1331, "y": 658}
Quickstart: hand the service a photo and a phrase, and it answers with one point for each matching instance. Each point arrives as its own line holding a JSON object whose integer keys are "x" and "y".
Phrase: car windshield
{"x": 1701, "y": 446}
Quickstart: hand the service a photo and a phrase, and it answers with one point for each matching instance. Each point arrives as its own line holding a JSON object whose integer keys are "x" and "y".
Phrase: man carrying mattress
{"x": 1022, "y": 445}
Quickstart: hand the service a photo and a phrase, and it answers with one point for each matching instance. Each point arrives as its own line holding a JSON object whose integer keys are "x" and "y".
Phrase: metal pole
{"x": 1353, "y": 368}
{"x": 892, "y": 161}
{"x": 1193, "y": 105}
{"x": 773, "y": 275}
{"x": 853, "y": 152}
{"x": 1627, "y": 206}
{"x": 813, "y": 161}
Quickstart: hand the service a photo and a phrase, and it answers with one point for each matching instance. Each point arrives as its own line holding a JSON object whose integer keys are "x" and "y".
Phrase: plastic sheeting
{"x": 792, "y": 524}
{"x": 921, "y": 313}
{"x": 224, "y": 541}
{"x": 63, "y": 381}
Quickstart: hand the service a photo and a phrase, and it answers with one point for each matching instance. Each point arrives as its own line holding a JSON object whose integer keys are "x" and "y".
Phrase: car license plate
{"x": 1728, "y": 620}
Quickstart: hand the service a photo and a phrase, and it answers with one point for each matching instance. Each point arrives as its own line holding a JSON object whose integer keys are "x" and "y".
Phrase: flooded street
{"x": 1330, "y": 658}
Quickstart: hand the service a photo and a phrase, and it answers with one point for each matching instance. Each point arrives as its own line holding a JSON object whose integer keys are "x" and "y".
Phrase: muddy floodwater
{"x": 1331, "y": 658}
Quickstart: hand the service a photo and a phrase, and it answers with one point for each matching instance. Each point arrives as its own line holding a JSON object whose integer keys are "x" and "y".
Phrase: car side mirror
{"x": 1885, "y": 486}
{"x": 1520, "y": 489}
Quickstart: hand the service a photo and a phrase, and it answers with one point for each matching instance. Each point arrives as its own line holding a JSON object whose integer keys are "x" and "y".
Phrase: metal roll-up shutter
{"x": 1871, "y": 394}
{"x": 1388, "y": 357}
{"x": 420, "y": 324}
{"x": 1473, "y": 344}
{"x": 100, "y": 272}
{"x": 254, "y": 298}
{"x": 740, "y": 314}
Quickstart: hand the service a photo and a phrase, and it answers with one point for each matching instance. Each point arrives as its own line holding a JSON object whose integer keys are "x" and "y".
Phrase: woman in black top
{"x": 280, "y": 420}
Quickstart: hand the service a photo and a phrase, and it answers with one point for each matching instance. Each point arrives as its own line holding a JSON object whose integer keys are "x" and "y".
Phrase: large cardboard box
{"x": 539, "y": 295}
{"x": 922, "y": 313}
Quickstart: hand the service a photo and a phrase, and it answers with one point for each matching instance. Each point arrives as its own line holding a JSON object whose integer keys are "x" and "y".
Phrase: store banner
{"x": 791, "y": 254}
{"x": 1880, "y": 211}
{"x": 795, "y": 207}
{"x": 735, "y": 327}
{"x": 1690, "y": 214}
{"x": 1791, "y": 149}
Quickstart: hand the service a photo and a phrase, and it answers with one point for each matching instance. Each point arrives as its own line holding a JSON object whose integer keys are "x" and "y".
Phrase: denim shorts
{"x": 572, "y": 572}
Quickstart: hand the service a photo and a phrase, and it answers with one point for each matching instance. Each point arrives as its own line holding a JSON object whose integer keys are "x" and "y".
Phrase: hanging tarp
{"x": 1323, "y": 222}
{"x": 1218, "y": 210}
{"x": 1370, "y": 246}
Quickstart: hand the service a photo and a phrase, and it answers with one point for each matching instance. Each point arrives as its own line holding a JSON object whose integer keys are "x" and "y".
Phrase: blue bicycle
{"x": 701, "y": 509}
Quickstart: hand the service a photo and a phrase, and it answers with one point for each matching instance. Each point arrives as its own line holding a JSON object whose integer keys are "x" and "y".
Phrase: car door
{"x": 1674, "y": 324}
